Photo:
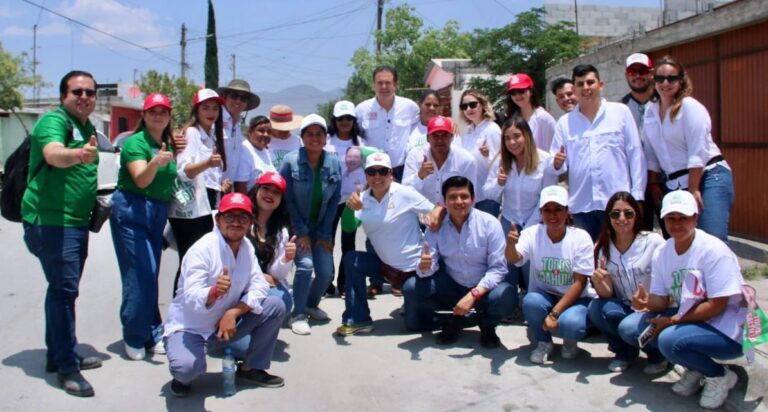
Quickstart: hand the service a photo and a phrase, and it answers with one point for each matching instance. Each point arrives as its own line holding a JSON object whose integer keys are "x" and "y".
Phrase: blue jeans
{"x": 516, "y": 276}
{"x": 62, "y": 252}
{"x": 607, "y": 315}
{"x": 634, "y": 324}
{"x": 282, "y": 293}
{"x": 358, "y": 265}
{"x": 440, "y": 292}
{"x": 572, "y": 323}
{"x": 489, "y": 206}
{"x": 592, "y": 222}
{"x": 137, "y": 224}
{"x": 306, "y": 290}
{"x": 717, "y": 194}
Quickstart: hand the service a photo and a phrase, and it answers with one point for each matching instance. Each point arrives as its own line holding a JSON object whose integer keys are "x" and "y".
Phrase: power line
{"x": 41, "y": 7}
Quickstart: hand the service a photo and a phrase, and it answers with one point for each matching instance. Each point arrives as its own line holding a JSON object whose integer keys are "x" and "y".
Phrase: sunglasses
{"x": 615, "y": 214}
{"x": 81, "y": 92}
{"x": 345, "y": 118}
{"x": 231, "y": 217}
{"x": 469, "y": 105}
{"x": 373, "y": 171}
{"x": 638, "y": 72}
{"x": 516, "y": 92}
{"x": 671, "y": 79}
{"x": 239, "y": 96}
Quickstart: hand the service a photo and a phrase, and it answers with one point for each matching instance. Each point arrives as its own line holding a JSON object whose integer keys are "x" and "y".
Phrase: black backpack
{"x": 15, "y": 181}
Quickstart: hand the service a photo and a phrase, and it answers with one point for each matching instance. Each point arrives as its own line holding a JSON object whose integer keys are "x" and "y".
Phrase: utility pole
{"x": 183, "y": 44}
{"x": 379, "y": 14}
{"x": 576, "y": 14}
{"x": 233, "y": 65}
{"x": 35, "y": 88}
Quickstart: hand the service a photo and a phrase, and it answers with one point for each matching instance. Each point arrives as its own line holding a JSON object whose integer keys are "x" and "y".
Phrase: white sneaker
{"x": 158, "y": 349}
{"x": 716, "y": 389}
{"x": 316, "y": 314}
{"x": 542, "y": 352}
{"x": 688, "y": 384}
{"x": 570, "y": 349}
{"x": 299, "y": 325}
{"x": 655, "y": 368}
{"x": 618, "y": 365}
{"x": 135, "y": 353}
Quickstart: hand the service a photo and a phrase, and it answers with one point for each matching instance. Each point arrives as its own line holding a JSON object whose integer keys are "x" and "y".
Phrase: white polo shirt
{"x": 489, "y": 133}
{"x": 458, "y": 163}
{"x": 602, "y": 157}
{"x": 388, "y": 130}
{"x": 542, "y": 126}
{"x": 679, "y": 144}
{"x": 392, "y": 225}
{"x": 201, "y": 267}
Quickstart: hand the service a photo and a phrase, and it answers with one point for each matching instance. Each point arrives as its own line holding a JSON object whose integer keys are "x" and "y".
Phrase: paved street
{"x": 388, "y": 370}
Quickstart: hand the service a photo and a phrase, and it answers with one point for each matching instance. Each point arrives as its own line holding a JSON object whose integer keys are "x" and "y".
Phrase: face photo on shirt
{"x": 353, "y": 158}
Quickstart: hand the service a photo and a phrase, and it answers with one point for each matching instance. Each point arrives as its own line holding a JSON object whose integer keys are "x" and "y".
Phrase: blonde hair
{"x": 484, "y": 103}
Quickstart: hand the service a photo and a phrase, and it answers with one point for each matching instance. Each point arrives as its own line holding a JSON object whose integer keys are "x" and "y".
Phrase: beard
{"x": 641, "y": 89}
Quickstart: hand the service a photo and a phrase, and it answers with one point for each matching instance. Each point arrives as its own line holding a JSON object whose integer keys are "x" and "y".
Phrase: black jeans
{"x": 187, "y": 232}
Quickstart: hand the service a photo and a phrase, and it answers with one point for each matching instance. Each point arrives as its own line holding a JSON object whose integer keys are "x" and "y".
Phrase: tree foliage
{"x": 211, "y": 51}
{"x": 179, "y": 89}
{"x": 527, "y": 45}
{"x": 12, "y": 79}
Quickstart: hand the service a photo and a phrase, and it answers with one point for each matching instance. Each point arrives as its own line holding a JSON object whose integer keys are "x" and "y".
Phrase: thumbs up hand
{"x": 215, "y": 159}
{"x": 484, "y": 148}
{"x": 427, "y": 168}
{"x": 163, "y": 157}
{"x": 640, "y": 299}
{"x": 223, "y": 283}
{"x": 560, "y": 158}
{"x": 290, "y": 250}
{"x": 355, "y": 202}
{"x": 600, "y": 272}
{"x": 502, "y": 178}
{"x": 425, "y": 263}
{"x": 513, "y": 236}
{"x": 89, "y": 151}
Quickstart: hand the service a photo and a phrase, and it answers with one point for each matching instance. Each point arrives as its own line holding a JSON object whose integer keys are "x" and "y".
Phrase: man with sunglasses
{"x": 238, "y": 99}
{"x": 223, "y": 300}
{"x": 56, "y": 210}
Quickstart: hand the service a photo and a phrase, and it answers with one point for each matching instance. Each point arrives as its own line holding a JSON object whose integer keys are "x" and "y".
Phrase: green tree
{"x": 12, "y": 79}
{"x": 179, "y": 89}
{"x": 527, "y": 45}
{"x": 211, "y": 51}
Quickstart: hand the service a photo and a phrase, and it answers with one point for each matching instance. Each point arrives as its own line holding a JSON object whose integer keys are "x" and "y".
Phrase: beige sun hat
{"x": 282, "y": 118}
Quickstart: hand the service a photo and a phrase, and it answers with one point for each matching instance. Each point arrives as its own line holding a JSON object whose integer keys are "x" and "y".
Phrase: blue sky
{"x": 277, "y": 44}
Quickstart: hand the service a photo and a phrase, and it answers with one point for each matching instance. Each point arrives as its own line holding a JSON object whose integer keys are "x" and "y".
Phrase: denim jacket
{"x": 297, "y": 172}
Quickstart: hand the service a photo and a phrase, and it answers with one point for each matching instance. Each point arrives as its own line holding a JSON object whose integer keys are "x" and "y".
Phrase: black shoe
{"x": 488, "y": 337}
{"x": 259, "y": 377}
{"x": 331, "y": 290}
{"x": 450, "y": 332}
{"x": 75, "y": 384}
{"x": 90, "y": 362}
{"x": 179, "y": 389}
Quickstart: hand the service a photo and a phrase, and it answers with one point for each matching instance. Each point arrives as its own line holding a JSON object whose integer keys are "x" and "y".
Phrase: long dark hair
{"x": 356, "y": 133}
{"x": 167, "y": 132}
{"x": 265, "y": 251}
{"x": 218, "y": 131}
{"x": 686, "y": 85}
{"x": 513, "y": 108}
{"x": 607, "y": 234}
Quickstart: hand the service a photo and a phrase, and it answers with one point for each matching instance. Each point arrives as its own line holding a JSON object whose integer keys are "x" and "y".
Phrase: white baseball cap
{"x": 313, "y": 119}
{"x": 378, "y": 159}
{"x": 680, "y": 201}
{"x": 553, "y": 193}
{"x": 344, "y": 108}
{"x": 639, "y": 58}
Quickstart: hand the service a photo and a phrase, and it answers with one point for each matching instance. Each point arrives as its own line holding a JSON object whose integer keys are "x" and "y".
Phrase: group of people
{"x": 467, "y": 227}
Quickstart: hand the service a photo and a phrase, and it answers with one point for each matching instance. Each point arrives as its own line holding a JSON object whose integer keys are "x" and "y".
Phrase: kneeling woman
{"x": 692, "y": 332}
{"x": 623, "y": 254}
{"x": 561, "y": 262}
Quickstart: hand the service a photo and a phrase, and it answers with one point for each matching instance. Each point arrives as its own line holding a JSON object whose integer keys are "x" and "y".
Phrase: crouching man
{"x": 462, "y": 267}
{"x": 223, "y": 297}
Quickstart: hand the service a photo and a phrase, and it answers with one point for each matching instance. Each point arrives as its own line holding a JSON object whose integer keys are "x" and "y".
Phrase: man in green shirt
{"x": 56, "y": 209}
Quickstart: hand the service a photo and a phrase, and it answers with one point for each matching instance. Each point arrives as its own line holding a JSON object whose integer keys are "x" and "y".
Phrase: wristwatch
{"x": 555, "y": 314}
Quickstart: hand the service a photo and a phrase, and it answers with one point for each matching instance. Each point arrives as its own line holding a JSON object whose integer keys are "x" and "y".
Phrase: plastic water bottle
{"x": 228, "y": 372}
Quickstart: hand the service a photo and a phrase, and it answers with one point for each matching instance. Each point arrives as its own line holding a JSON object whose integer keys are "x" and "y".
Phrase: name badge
{"x": 373, "y": 115}
{"x": 76, "y": 135}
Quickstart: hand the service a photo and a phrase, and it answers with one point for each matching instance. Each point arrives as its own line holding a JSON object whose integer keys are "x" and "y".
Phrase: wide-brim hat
{"x": 282, "y": 118}
{"x": 239, "y": 85}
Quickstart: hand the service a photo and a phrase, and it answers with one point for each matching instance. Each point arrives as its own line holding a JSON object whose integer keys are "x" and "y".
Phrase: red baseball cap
{"x": 439, "y": 124}
{"x": 274, "y": 179}
{"x": 519, "y": 81}
{"x": 156, "y": 99}
{"x": 206, "y": 94}
{"x": 235, "y": 201}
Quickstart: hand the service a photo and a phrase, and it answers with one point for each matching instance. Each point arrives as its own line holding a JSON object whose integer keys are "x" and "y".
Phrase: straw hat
{"x": 282, "y": 118}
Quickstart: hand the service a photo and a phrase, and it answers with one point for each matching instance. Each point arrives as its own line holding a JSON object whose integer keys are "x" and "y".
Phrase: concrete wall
{"x": 604, "y": 21}
{"x": 610, "y": 59}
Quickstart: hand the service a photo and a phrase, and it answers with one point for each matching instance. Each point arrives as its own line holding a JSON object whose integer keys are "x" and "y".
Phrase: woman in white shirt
{"x": 255, "y": 158}
{"x": 695, "y": 304}
{"x": 517, "y": 178}
{"x": 482, "y": 140}
{"x": 677, "y": 132}
{"x": 522, "y": 98}
{"x": 561, "y": 264}
{"x": 429, "y": 107}
{"x": 623, "y": 256}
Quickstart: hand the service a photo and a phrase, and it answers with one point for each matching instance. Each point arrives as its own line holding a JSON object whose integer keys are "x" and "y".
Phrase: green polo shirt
{"x": 141, "y": 146}
{"x": 59, "y": 196}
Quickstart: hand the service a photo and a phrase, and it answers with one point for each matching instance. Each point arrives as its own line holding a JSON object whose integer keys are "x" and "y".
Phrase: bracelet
{"x": 554, "y": 314}
{"x": 213, "y": 293}
{"x": 80, "y": 155}
{"x": 476, "y": 295}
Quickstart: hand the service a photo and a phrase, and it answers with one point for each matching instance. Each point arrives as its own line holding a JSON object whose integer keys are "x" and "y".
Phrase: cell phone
{"x": 645, "y": 336}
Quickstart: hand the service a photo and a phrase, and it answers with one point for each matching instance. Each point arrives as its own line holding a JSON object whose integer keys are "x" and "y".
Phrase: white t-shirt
{"x": 417, "y": 138}
{"x": 553, "y": 264}
{"x": 190, "y": 198}
{"x": 542, "y": 126}
{"x": 281, "y": 147}
{"x": 634, "y": 266}
{"x": 488, "y": 133}
{"x": 253, "y": 164}
{"x": 349, "y": 180}
{"x": 721, "y": 273}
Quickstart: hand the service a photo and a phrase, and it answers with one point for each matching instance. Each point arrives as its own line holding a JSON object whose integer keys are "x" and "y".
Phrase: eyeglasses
{"x": 638, "y": 72}
{"x": 80, "y": 92}
{"x": 239, "y": 96}
{"x": 373, "y": 171}
{"x": 345, "y": 118}
{"x": 516, "y": 92}
{"x": 671, "y": 79}
{"x": 615, "y": 214}
{"x": 231, "y": 217}
{"x": 468, "y": 105}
